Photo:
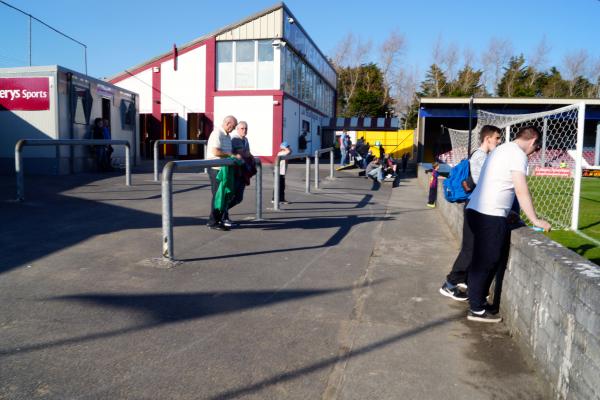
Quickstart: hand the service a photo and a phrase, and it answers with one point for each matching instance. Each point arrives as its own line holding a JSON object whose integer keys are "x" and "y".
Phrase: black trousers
{"x": 215, "y": 215}
{"x": 432, "y": 195}
{"x": 281, "y": 188}
{"x": 489, "y": 234}
{"x": 458, "y": 274}
{"x": 238, "y": 196}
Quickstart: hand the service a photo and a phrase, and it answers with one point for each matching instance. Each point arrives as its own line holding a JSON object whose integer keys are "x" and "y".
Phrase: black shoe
{"x": 218, "y": 227}
{"x": 483, "y": 316}
{"x": 494, "y": 310}
{"x": 453, "y": 292}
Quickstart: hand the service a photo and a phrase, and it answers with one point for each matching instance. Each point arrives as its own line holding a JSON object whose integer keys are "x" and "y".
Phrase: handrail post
{"x": 259, "y": 171}
{"x": 156, "y": 160}
{"x": 205, "y": 154}
{"x": 316, "y": 169}
{"x": 19, "y": 170}
{"x": 276, "y": 168}
{"x": 167, "y": 210}
{"x": 127, "y": 165}
{"x": 331, "y": 168}
{"x": 307, "y": 186}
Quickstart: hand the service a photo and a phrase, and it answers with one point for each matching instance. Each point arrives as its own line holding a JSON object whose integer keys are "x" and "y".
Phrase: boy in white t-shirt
{"x": 502, "y": 177}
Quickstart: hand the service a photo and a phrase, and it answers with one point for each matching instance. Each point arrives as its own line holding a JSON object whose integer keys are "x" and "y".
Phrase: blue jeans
{"x": 344, "y": 158}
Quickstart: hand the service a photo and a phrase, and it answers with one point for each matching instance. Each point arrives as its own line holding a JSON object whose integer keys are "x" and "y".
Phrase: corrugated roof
{"x": 505, "y": 100}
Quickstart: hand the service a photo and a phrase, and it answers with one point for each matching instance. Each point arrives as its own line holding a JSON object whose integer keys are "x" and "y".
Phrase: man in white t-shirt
{"x": 455, "y": 284}
{"x": 502, "y": 177}
{"x": 219, "y": 146}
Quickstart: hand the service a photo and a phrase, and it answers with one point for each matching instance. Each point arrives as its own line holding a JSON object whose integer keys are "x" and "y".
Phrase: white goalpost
{"x": 554, "y": 175}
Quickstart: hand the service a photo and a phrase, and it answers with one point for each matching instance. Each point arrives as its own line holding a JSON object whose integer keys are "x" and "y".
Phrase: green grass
{"x": 557, "y": 192}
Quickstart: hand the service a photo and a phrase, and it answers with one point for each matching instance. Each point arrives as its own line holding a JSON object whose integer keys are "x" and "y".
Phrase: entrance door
{"x": 150, "y": 131}
{"x": 196, "y": 131}
{"x": 170, "y": 128}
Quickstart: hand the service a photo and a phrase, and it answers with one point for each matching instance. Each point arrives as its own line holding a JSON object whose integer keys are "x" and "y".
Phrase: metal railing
{"x": 317, "y": 154}
{"x": 173, "y": 141}
{"x": 167, "y": 196}
{"x": 64, "y": 142}
{"x": 276, "y": 168}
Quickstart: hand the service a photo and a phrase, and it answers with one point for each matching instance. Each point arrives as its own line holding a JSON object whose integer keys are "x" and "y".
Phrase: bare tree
{"x": 494, "y": 59}
{"x": 438, "y": 54}
{"x": 350, "y": 53}
{"x": 576, "y": 65}
{"x": 595, "y": 77}
{"x": 538, "y": 60}
{"x": 389, "y": 54}
{"x": 405, "y": 88}
{"x": 450, "y": 61}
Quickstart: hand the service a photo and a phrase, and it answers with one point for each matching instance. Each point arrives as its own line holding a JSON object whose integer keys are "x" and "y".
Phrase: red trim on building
{"x": 277, "y": 128}
{"x": 157, "y": 63}
{"x": 211, "y": 76}
{"x": 156, "y": 106}
{"x": 249, "y": 93}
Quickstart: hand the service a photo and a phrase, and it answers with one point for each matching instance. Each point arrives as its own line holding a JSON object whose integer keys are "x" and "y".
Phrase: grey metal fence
{"x": 167, "y": 196}
{"x": 173, "y": 141}
{"x": 276, "y": 168}
{"x": 331, "y": 165}
{"x": 64, "y": 142}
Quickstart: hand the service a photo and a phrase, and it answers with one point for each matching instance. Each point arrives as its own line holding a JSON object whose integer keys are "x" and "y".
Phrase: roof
{"x": 506, "y": 100}
{"x": 363, "y": 124}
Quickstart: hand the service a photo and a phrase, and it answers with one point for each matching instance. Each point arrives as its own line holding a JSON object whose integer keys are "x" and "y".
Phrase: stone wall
{"x": 550, "y": 303}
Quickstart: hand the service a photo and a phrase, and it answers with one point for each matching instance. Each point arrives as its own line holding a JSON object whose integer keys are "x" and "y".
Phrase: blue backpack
{"x": 454, "y": 191}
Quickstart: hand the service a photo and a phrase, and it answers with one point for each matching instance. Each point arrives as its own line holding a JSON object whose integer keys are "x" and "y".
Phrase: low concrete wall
{"x": 550, "y": 303}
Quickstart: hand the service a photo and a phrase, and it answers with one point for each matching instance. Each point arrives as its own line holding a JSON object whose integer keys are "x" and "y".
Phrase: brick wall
{"x": 550, "y": 303}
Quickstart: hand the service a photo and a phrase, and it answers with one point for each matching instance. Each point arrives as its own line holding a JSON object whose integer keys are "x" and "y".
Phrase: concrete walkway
{"x": 333, "y": 298}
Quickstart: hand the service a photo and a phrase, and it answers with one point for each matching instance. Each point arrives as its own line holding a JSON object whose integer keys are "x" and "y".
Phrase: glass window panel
{"x": 224, "y": 76}
{"x": 244, "y": 51}
{"x": 244, "y": 75}
{"x": 265, "y": 50}
{"x": 265, "y": 75}
{"x": 224, "y": 52}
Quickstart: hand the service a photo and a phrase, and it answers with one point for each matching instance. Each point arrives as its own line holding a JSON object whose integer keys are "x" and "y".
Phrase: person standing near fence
{"x": 284, "y": 150}
{"x": 456, "y": 281}
{"x": 219, "y": 146}
{"x": 240, "y": 146}
{"x": 433, "y": 185}
{"x": 502, "y": 177}
{"x": 344, "y": 147}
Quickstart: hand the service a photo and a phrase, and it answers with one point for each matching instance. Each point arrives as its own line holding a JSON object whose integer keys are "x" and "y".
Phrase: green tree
{"x": 435, "y": 83}
{"x": 467, "y": 83}
{"x": 553, "y": 85}
{"x": 516, "y": 79}
{"x": 362, "y": 92}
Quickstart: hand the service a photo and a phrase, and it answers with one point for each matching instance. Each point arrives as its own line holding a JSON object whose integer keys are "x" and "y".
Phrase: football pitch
{"x": 556, "y": 192}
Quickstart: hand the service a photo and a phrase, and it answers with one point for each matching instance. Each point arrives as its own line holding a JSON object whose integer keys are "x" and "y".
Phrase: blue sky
{"x": 120, "y": 34}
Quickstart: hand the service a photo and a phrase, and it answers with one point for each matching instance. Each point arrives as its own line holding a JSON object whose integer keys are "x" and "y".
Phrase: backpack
{"x": 454, "y": 192}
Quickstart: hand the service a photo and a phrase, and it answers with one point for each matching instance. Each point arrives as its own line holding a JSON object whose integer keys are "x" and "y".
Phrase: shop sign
{"x": 24, "y": 94}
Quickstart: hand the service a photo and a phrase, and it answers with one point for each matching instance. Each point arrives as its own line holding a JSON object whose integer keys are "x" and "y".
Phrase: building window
{"x": 245, "y": 64}
{"x": 225, "y": 65}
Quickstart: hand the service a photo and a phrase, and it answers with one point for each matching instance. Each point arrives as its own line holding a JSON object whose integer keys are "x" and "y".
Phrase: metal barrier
{"x": 173, "y": 141}
{"x": 276, "y": 168}
{"x": 317, "y": 154}
{"x": 167, "y": 196}
{"x": 64, "y": 142}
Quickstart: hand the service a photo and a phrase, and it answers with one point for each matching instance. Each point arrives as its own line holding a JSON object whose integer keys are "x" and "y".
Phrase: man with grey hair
{"x": 241, "y": 148}
{"x": 219, "y": 146}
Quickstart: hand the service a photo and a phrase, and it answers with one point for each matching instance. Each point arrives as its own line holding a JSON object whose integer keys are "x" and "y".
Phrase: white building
{"x": 53, "y": 102}
{"x": 265, "y": 70}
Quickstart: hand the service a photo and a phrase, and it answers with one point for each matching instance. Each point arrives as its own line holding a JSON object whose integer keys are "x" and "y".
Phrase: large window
{"x": 245, "y": 64}
{"x": 301, "y": 81}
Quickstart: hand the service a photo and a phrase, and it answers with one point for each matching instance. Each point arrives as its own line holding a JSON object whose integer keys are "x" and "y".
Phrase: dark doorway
{"x": 149, "y": 132}
{"x": 106, "y": 111}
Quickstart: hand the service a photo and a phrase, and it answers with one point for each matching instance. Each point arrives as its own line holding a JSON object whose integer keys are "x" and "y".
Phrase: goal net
{"x": 554, "y": 175}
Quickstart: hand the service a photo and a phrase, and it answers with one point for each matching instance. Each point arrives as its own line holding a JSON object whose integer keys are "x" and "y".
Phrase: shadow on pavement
{"x": 328, "y": 362}
{"x": 168, "y": 308}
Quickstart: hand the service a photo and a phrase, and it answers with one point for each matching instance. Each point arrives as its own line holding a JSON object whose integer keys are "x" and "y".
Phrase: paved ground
{"x": 333, "y": 298}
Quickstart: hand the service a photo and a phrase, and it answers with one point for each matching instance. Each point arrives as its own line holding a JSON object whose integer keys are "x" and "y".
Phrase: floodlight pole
{"x": 470, "y": 125}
